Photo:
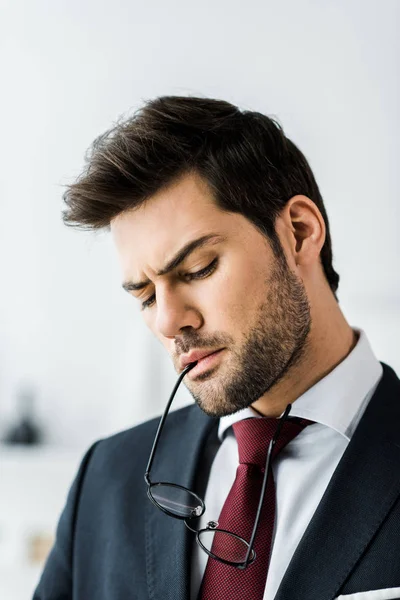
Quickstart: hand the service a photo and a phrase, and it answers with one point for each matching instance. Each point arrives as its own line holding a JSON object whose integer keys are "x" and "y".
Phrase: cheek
{"x": 169, "y": 344}
{"x": 150, "y": 324}
{"x": 233, "y": 300}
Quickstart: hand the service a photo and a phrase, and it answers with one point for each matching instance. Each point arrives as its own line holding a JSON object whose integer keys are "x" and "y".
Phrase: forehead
{"x": 147, "y": 236}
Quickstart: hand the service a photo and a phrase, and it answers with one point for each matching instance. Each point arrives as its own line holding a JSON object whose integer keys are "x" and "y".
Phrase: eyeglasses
{"x": 179, "y": 502}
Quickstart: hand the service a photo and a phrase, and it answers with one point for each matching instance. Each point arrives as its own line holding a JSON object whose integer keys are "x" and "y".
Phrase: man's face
{"x": 228, "y": 296}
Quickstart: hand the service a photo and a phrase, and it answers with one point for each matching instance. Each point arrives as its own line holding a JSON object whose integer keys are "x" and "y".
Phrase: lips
{"x": 194, "y": 356}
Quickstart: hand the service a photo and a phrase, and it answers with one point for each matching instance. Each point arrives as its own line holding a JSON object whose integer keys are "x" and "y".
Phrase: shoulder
{"x": 113, "y": 468}
{"x": 389, "y": 372}
{"x": 132, "y": 446}
{"x": 389, "y": 382}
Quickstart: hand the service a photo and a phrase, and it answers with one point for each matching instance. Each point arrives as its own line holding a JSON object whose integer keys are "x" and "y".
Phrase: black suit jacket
{"x": 113, "y": 544}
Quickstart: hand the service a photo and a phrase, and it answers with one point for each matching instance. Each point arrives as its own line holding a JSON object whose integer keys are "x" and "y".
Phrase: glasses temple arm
{"x": 162, "y": 421}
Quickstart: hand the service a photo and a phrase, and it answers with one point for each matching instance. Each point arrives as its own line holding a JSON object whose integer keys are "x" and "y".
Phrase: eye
{"x": 148, "y": 302}
{"x": 203, "y": 272}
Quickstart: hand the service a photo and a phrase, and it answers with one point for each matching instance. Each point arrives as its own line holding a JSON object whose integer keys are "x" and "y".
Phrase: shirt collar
{"x": 338, "y": 399}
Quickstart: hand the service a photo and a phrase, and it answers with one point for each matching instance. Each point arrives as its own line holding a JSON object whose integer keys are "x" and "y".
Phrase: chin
{"x": 216, "y": 408}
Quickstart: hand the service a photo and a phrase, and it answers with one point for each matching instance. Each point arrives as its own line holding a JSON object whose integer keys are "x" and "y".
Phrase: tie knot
{"x": 254, "y": 435}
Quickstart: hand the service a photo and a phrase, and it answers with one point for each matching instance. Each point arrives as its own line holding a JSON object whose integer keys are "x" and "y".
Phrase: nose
{"x": 174, "y": 312}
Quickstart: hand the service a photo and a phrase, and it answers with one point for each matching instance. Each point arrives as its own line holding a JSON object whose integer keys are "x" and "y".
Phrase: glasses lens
{"x": 176, "y": 500}
{"x": 225, "y": 545}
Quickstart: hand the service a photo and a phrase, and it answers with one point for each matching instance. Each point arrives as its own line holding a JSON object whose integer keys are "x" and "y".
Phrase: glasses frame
{"x": 211, "y": 525}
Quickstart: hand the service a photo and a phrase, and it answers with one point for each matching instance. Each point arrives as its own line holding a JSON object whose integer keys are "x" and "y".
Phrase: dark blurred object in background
{"x": 26, "y": 430}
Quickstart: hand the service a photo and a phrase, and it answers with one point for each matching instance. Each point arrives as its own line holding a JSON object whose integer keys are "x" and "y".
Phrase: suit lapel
{"x": 168, "y": 541}
{"x": 360, "y": 494}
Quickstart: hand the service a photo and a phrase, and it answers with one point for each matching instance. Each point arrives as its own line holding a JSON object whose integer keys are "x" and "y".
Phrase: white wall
{"x": 327, "y": 69}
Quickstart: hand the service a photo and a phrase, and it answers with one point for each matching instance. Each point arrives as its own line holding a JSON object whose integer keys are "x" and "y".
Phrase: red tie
{"x": 225, "y": 582}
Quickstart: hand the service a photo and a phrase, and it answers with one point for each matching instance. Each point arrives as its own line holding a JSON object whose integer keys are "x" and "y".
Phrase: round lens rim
{"x": 252, "y": 556}
{"x": 180, "y": 487}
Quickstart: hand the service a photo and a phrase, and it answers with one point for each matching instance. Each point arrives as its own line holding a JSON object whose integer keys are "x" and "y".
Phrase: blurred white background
{"x": 328, "y": 70}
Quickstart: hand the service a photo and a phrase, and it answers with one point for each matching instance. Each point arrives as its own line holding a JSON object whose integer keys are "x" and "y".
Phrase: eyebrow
{"x": 180, "y": 256}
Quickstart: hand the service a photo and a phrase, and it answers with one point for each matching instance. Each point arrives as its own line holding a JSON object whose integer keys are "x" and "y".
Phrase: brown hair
{"x": 244, "y": 156}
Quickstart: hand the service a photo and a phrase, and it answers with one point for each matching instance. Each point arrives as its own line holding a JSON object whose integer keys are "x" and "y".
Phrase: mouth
{"x": 204, "y": 362}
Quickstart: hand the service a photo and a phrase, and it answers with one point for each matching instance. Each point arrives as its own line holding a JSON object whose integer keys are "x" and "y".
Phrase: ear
{"x": 303, "y": 229}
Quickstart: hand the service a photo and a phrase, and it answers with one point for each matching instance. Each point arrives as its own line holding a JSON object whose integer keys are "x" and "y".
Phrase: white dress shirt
{"x": 303, "y": 469}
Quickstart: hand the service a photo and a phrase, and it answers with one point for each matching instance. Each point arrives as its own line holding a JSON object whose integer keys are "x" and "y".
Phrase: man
{"x": 224, "y": 242}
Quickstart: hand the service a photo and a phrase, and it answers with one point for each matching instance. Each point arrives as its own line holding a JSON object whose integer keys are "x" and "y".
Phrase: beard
{"x": 274, "y": 344}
